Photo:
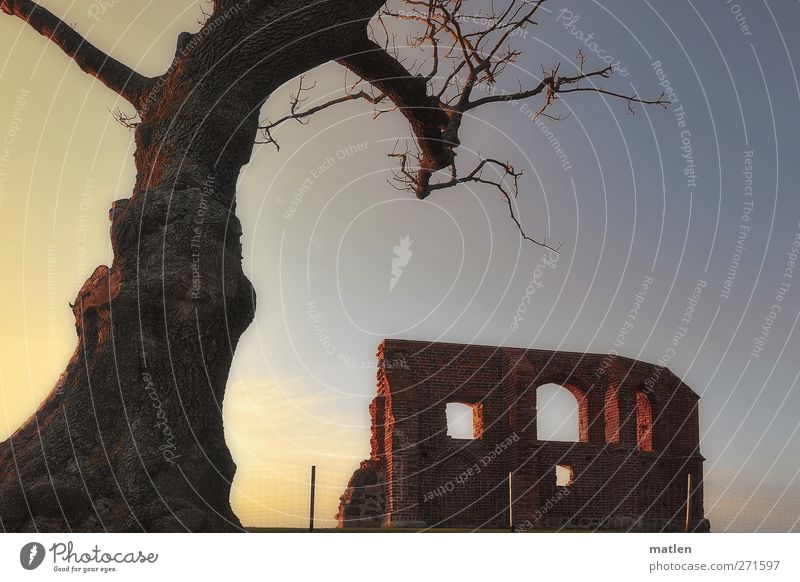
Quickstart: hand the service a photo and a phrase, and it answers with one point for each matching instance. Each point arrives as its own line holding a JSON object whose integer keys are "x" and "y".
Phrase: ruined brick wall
{"x": 639, "y": 436}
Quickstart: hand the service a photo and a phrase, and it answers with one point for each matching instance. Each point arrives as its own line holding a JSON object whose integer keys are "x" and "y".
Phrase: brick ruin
{"x": 635, "y": 466}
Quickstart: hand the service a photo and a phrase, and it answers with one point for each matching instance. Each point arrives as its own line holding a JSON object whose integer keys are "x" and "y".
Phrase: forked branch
{"x": 506, "y": 183}
{"x": 301, "y": 117}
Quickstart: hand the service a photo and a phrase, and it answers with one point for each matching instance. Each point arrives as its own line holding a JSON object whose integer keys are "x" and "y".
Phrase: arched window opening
{"x": 561, "y": 414}
{"x": 611, "y": 414}
{"x": 464, "y": 421}
{"x": 644, "y": 422}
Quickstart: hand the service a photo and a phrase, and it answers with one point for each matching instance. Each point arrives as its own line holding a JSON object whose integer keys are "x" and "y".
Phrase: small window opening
{"x": 464, "y": 421}
{"x": 563, "y": 476}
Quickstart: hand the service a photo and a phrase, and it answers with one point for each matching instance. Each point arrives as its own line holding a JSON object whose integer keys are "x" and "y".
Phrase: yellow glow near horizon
{"x": 275, "y": 435}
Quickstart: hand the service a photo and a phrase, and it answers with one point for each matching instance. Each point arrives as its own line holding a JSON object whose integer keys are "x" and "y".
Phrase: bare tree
{"x": 131, "y": 438}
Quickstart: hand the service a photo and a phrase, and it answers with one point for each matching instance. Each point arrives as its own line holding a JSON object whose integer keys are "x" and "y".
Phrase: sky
{"x": 699, "y": 199}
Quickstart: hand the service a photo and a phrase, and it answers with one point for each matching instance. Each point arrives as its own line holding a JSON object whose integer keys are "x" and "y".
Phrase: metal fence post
{"x": 688, "y": 501}
{"x": 510, "y": 501}
{"x": 313, "y": 491}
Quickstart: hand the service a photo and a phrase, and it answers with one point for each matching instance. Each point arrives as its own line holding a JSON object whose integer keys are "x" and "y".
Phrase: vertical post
{"x": 688, "y": 501}
{"x": 510, "y": 501}
{"x": 313, "y": 491}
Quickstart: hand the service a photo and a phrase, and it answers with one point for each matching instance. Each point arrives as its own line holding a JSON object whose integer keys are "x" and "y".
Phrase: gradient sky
{"x": 321, "y": 259}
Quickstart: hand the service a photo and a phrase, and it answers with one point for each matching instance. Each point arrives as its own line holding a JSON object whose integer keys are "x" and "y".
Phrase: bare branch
{"x": 124, "y": 119}
{"x": 555, "y": 85}
{"x": 504, "y": 170}
{"x": 302, "y": 116}
{"x": 116, "y": 76}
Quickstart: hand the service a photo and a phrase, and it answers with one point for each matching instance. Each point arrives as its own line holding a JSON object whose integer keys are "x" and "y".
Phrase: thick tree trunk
{"x": 132, "y": 436}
